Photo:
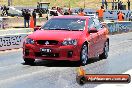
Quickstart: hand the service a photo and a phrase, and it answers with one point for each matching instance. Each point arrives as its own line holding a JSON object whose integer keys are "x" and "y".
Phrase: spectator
{"x": 34, "y": 17}
{"x": 69, "y": 11}
{"x": 116, "y": 6}
{"x": 103, "y": 2}
{"x": 76, "y": 11}
{"x": 119, "y": 5}
{"x": 81, "y": 13}
{"x": 113, "y": 5}
{"x": 23, "y": 12}
{"x": 106, "y": 4}
{"x": 120, "y": 16}
{"x": 66, "y": 13}
{"x": 101, "y": 14}
{"x": 128, "y": 5}
{"x": 4, "y": 10}
{"x": 26, "y": 18}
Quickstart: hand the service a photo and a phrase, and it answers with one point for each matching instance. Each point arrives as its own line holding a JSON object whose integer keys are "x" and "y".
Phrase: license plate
{"x": 45, "y": 50}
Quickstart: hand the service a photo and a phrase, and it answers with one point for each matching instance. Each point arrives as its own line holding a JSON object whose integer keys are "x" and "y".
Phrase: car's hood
{"x": 55, "y": 35}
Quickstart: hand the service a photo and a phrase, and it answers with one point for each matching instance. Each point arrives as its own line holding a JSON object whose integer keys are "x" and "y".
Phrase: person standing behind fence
{"x": 106, "y": 4}
{"x": 101, "y": 14}
{"x": 81, "y": 13}
{"x": 34, "y": 17}
{"x": 66, "y": 12}
{"x": 4, "y": 11}
{"x": 128, "y": 4}
{"x": 120, "y": 16}
{"x": 26, "y": 18}
{"x": 119, "y": 5}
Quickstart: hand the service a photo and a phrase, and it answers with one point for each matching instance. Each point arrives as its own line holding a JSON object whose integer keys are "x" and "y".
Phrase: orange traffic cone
{"x": 31, "y": 23}
{"x": 81, "y": 71}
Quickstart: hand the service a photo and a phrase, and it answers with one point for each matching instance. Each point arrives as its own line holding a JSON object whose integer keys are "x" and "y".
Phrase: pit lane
{"x": 57, "y": 74}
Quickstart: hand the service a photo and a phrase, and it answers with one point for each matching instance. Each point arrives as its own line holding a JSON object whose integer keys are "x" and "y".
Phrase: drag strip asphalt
{"x": 62, "y": 74}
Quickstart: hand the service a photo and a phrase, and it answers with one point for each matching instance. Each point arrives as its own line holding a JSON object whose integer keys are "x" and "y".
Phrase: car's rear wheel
{"x": 84, "y": 55}
{"x": 29, "y": 61}
{"x": 104, "y": 55}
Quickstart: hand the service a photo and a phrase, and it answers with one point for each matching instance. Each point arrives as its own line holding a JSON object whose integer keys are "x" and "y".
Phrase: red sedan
{"x": 72, "y": 38}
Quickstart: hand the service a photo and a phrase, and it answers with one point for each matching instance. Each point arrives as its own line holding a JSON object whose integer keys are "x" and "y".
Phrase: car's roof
{"x": 72, "y": 16}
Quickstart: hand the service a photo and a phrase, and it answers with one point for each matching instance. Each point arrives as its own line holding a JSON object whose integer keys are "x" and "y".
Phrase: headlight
{"x": 29, "y": 41}
{"x": 69, "y": 42}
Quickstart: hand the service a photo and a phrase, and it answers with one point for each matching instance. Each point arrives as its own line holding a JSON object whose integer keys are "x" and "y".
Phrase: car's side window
{"x": 97, "y": 24}
{"x": 90, "y": 23}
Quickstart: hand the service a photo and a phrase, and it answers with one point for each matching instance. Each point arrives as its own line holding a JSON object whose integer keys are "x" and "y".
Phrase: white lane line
{"x": 10, "y": 50}
{"x": 11, "y": 79}
{"x": 117, "y": 85}
{"x": 10, "y": 67}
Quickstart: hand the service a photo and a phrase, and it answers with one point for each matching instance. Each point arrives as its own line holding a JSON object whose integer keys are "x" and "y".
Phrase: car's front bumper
{"x": 70, "y": 53}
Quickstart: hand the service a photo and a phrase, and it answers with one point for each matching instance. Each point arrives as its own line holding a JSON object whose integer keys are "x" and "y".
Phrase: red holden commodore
{"x": 72, "y": 38}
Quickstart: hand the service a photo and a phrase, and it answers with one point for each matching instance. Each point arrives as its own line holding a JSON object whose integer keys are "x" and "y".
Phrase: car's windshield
{"x": 73, "y": 24}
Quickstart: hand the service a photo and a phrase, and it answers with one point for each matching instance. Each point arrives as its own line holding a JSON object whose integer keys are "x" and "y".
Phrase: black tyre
{"x": 84, "y": 55}
{"x": 104, "y": 55}
{"x": 29, "y": 61}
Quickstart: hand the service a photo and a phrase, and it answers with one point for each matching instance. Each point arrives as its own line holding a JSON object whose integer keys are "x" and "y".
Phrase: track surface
{"x": 53, "y": 74}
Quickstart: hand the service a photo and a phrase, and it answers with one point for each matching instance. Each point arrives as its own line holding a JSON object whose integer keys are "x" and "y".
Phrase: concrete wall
{"x": 13, "y": 38}
{"x": 12, "y": 41}
{"x": 10, "y": 22}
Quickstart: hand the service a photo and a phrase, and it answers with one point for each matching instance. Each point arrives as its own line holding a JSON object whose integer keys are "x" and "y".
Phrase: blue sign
{"x": 119, "y": 27}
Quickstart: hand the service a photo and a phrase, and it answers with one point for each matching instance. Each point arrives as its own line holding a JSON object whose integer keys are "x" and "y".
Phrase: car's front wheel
{"x": 104, "y": 55}
{"x": 84, "y": 55}
{"x": 29, "y": 61}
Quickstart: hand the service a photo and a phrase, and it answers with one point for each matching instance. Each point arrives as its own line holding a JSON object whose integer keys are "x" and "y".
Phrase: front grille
{"x": 47, "y": 42}
{"x": 40, "y": 54}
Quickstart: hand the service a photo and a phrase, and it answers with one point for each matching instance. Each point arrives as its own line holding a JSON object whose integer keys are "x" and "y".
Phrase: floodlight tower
{"x": 9, "y": 3}
{"x": 69, "y": 4}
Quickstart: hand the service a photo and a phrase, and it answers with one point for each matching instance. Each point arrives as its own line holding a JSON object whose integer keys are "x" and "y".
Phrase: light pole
{"x": 8, "y": 2}
{"x": 84, "y": 3}
{"x": 69, "y": 4}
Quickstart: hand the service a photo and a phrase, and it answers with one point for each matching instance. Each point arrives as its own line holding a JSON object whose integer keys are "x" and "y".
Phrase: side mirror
{"x": 37, "y": 28}
{"x": 93, "y": 30}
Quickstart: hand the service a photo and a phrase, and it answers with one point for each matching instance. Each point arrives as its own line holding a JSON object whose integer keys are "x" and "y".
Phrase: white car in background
{"x": 14, "y": 12}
